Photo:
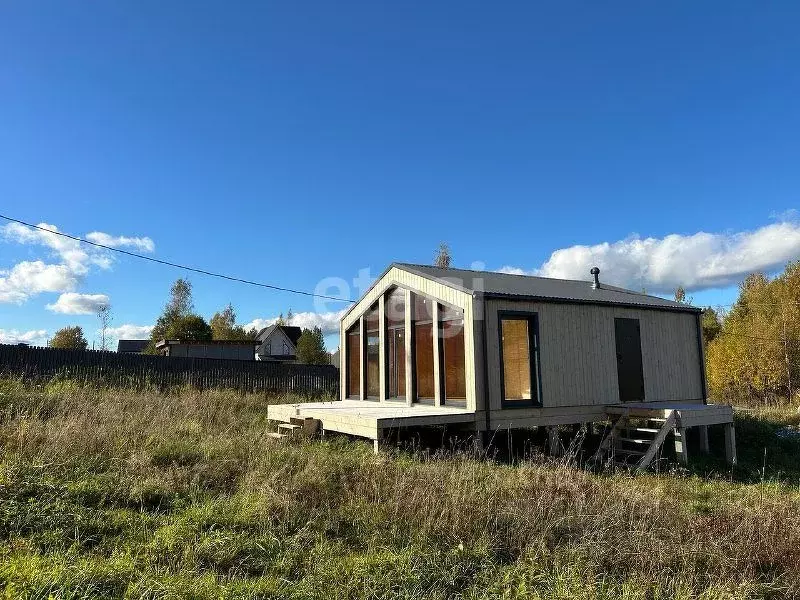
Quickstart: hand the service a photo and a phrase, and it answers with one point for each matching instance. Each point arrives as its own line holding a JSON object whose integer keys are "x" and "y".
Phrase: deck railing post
{"x": 704, "y": 446}
{"x": 730, "y": 443}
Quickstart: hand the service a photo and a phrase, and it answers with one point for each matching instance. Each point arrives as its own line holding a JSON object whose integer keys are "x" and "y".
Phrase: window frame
{"x": 371, "y": 330}
{"x": 444, "y": 318}
{"x": 428, "y": 320}
{"x": 391, "y": 328}
{"x": 534, "y": 357}
{"x": 354, "y": 330}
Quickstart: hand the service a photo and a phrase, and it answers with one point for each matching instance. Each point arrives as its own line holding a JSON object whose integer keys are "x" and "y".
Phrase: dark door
{"x": 629, "y": 360}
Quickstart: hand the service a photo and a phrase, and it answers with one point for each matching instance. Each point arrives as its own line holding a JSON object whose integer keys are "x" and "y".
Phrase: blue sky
{"x": 292, "y": 142}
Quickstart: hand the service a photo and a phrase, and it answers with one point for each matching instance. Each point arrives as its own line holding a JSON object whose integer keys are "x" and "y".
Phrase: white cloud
{"x": 129, "y": 331}
{"x": 328, "y": 321}
{"x": 29, "y": 278}
{"x": 698, "y": 261}
{"x": 145, "y": 244}
{"x": 70, "y": 303}
{"x": 35, "y": 337}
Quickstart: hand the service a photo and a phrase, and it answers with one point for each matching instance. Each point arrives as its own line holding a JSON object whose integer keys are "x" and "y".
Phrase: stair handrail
{"x": 657, "y": 442}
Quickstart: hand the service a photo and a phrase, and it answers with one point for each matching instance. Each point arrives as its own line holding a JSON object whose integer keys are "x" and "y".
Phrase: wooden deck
{"x": 688, "y": 414}
{"x": 679, "y": 416}
{"x": 368, "y": 419}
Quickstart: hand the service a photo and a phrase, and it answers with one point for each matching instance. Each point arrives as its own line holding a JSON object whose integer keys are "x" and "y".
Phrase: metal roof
{"x": 541, "y": 288}
{"x": 132, "y": 346}
{"x": 290, "y": 331}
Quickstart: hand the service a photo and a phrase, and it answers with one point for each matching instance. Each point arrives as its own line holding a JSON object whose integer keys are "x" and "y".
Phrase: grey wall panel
{"x": 578, "y": 353}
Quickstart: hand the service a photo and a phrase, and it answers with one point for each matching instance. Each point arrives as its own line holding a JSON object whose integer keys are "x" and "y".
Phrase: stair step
{"x": 645, "y": 430}
{"x": 277, "y": 436}
{"x": 629, "y": 452}
{"x": 289, "y": 426}
{"x": 634, "y": 440}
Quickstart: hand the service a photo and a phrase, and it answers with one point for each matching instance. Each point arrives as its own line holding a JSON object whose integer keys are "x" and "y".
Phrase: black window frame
{"x": 534, "y": 358}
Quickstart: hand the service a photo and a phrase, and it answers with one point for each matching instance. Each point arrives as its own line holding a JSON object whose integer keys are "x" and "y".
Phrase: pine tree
{"x": 311, "y": 347}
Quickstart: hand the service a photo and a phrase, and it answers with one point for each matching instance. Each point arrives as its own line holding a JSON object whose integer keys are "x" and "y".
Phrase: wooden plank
{"x": 704, "y": 445}
{"x": 437, "y": 366}
{"x": 648, "y": 457}
{"x": 382, "y": 347}
{"x": 108, "y": 369}
{"x": 409, "y": 354}
{"x": 730, "y": 444}
{"x": 681, "y": 443}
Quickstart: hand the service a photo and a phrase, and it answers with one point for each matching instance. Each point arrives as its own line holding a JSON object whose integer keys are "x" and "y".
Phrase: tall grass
{"x": 139, "y": 495}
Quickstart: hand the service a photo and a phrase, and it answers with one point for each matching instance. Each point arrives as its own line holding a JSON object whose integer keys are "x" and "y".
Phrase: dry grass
{"x": 122, "y": 494}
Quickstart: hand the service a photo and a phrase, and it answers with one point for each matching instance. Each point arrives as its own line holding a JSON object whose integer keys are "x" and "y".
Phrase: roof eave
{"x": 560, "y": 300}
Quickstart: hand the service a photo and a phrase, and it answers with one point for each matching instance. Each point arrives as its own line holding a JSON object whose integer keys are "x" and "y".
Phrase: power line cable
{"x": 176, "y": 265}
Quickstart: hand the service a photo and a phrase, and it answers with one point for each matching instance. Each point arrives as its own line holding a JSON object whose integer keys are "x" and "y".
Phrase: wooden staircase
{"x": 633, "y": 442}
{"x": 296, "y": 427}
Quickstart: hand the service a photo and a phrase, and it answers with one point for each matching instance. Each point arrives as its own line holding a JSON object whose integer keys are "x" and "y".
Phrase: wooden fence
{"x": 110, "y": 369}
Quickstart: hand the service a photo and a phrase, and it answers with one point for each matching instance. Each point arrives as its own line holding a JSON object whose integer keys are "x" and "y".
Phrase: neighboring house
{"x": 132, "y": 346}
{"x": 278, "y": 343}
{"x": 334, "y": 358}
{"x": 491, "y": 351}
{"x": 221, "y": 349}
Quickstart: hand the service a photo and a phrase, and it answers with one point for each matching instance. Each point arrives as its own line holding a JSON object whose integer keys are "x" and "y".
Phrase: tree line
{"x": 178, "y": 320}
{"x": 753, "y": 350}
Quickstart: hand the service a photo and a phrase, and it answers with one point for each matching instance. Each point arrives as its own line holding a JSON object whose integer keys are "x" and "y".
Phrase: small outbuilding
{"x": 493, "y": 351}
{"x": 219, "y": 349}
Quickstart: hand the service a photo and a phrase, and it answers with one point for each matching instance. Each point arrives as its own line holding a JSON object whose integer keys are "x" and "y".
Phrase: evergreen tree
{"x": 311, "y": 347}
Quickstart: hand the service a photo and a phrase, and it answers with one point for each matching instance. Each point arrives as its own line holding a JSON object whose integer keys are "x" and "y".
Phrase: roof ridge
{"x": 607, "y": 287}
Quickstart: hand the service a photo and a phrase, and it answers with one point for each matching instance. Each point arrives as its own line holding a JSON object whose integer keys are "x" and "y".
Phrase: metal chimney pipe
{"x": 596, "y": 283}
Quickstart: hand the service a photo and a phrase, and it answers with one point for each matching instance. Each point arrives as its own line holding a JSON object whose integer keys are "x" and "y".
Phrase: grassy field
{"x": 140, "y": 495}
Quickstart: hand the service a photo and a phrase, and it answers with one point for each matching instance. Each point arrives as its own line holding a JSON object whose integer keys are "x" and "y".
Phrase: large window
{"x": 519, "y": 357}
{"x": 396, "y": 346}
{"x": 423, "y": 347}
{"x": 353, "y": 363}
{"x": 372, "y": 329}
{"x": 452, "y": 332}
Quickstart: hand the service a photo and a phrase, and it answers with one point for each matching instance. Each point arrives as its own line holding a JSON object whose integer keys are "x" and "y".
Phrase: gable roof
{"x": 540, "y": 288}
{"x": 290, "y": 331}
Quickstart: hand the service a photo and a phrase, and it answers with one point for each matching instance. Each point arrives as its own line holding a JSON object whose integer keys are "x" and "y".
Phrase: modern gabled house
{"x": 278, "y": 343}
{"x": 493, "y": 351}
